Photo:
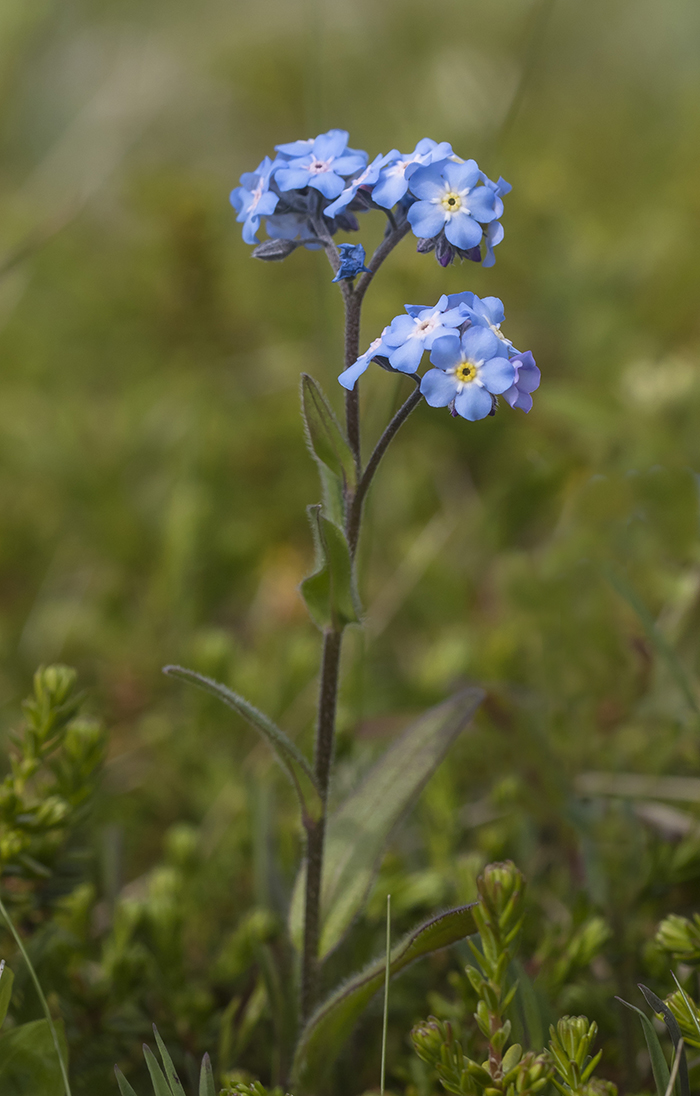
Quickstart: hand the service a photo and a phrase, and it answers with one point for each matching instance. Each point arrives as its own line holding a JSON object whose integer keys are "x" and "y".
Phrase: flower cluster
{"x": 473, "y": 360}
{"x": 314, "y": 188}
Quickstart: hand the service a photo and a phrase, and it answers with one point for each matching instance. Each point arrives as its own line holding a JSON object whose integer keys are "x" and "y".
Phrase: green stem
{"x": 44, "y": 1003}
{"x": 387, "y": 975}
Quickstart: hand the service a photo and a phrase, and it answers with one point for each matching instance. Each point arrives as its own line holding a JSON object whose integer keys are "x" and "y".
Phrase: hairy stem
{"x": 355, "y": 510}
{"x": 325, "y": 735}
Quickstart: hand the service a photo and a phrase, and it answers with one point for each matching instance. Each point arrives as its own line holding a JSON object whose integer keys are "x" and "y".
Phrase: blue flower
{"x": 349, "y": 376}
{"x": 321, "y": 163}
{"x": 527, "y": 379}
{"x": 470, "y": 372}
{"x": 253, "y": 199}
{"x": 488, "y": 312}
{"x": 392, "y": 183}
{"x": 494, "y": 230}
{"x": 408, "y": 336}
{"x": 352, "y": 261}
{"x": 450, "y": 198}
{"x": 366, "y": 179}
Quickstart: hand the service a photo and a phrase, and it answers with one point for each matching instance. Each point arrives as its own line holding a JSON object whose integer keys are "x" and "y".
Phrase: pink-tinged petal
{"x": 479, "y": 344}
{"x": 497, "y": 375}
{"x": 438, "y": 388}
{"x": 473, "y": 402}
{"x": 446, "y": 352}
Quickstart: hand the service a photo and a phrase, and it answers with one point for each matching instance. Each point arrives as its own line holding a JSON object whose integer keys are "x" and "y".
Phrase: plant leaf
{"x": 358, "y": 832}
{"x": 288, "y": 754}
{"x": 170, "y": 1071}
{"x": 28, "y": 1062}
{"x": 329, "y": 592}
{"x": 331, "y": 1024}
{"x": 160, "y": 1085}
{"x": 124, "y": 1086}
{"x": 674, "y": 1031}
{"x": 206, "y": 1078}
{"x": 659, "y": 1065}
{"x": 6, "y": 980}
{"x": 324, "y": 434}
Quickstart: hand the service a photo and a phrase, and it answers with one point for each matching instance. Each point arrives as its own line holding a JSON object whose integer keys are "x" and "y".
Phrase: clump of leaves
{"x": 55, "y": 761}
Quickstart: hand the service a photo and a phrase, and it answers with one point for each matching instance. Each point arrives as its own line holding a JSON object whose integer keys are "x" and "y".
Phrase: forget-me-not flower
{"x": 527, "y": 379}
{"x": 452, "y": 197}
{"x": 470, "y": 371}
{"x": 349, "y": 376}
{"x": 323, "y": 165}
{"x": 392, "y": 183}
{"x": 253, "y": 199}
{"x": 408, "y": 336}
{"x": 352, "y": 261}
{"x": 366, "y": 178}
{"x": 488, "y": 312}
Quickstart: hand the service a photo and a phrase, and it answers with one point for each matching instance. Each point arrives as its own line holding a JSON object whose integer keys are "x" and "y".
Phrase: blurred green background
{"x": 153, "y": 475}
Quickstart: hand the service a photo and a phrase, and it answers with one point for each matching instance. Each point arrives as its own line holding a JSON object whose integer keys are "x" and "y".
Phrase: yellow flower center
{"x": 451, "y": 202}
{"x": 466, "y": 372}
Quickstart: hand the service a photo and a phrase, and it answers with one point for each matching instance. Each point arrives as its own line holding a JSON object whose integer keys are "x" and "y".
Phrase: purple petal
{"x": 473, "y": 402}
{"x": 438, "y": 388}
{"x": 529, "y": 375}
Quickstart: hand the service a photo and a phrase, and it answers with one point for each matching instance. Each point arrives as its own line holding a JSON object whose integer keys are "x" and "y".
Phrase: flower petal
{"x": 482, "y": 204}
{"x": 427, "y": 183}
{"x": 516, "y": 398}
{"x": 406, "y": 358}
{"x": 438, "y": 388}
{"x": 329, "y": 184}
{"x": 473, "y": 402}
{"x": 331, "y": 144}
{"x": 348, "y": 378}
{"x": 479, "y": 344}
{"x": 461, "y": 176}
{"x": 426, "y": 219}
{"x": 461, "y": 230}
{"x": 446, "y": 352}
{"x": 497, "y": 375}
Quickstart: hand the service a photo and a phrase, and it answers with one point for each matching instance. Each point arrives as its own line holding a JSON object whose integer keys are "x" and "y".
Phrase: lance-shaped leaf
{"x": 358, "y": 832}
{"x": 674, "y": 1031}
{"x": 324, "y": 435}
{"x": 329, "y": 592}
{"x": 288, "y": 754}
{"x": 206, "y": 1078}
{"x": 331, "y": 1024}
{"x": 659, "y": 1065}
{"x": 6, "y": 980}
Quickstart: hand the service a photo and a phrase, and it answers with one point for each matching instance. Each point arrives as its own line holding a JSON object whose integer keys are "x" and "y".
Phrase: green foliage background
{"x": 153, "y": 480}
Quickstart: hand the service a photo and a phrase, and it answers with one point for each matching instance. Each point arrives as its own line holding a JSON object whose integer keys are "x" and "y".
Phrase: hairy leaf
{"x": 288, "y": 754}
{"x": 325, "y": 436}
{"x": 6, "y": 980}
{"x": 329, "y": 592}
{"x": 28, "y": 1062}
{"x": 659, "y": 1065}
{"x": 358, "y": 832}
{"x": 331, "y": 1024}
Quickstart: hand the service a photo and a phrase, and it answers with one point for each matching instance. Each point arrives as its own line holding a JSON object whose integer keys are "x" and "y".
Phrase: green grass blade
{"x": 387, "y": 978}
{"x": 206, "y": 1078}
{"x": 40, "y": 992}
{"x": 6, "y": 980}
{"x": 674, "y": 1031}
{"x": 170, "y": 1071}
{"x": 160, "y": 1085}
{"x": 659, "y": 1065}
{"x": 124, "y": 1086}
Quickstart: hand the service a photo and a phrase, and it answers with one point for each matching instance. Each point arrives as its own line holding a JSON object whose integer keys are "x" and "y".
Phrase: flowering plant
{"x": 306, "y": 195}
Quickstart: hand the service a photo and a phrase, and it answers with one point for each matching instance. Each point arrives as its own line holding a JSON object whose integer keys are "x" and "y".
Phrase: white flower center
{"x": 317, "y": 167}
{"x": 257, "y": 193}
{"x": 426, "y": 326}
